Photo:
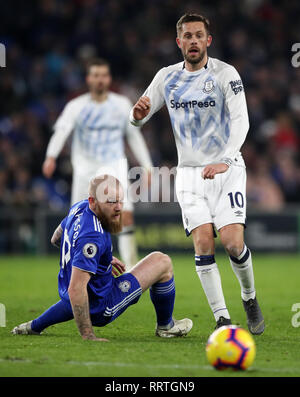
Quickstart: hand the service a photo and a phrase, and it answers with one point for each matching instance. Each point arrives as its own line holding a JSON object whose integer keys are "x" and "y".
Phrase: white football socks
{"x": 127, "y": 247}
{"x": 211, "y": 283}
{"x": 243, "y": 269}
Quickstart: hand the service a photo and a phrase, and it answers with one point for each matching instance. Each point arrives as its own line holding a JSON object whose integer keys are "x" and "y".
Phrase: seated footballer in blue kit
{"x": 90, "y": 288}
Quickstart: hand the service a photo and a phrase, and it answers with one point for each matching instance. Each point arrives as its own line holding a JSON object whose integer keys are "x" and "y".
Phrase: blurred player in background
{"x": 87, "y": 287}
{"x": 99, "y": 121}
{"x": 207, "y": 107}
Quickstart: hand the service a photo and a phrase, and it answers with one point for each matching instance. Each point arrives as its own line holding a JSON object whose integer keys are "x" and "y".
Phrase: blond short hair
{"x": 101, "y": 184}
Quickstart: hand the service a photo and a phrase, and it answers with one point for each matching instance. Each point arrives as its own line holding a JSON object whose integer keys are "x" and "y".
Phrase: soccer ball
{"x": 230, "y": 347}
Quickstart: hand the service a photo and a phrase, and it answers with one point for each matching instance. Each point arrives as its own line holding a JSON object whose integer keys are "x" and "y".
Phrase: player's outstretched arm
{"x": 80, "y": 304}
{"x": 49, "y": 167}
{"x": 62, "y": 130}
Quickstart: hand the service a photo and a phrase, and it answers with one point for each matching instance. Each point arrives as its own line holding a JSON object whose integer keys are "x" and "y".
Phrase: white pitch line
{"x": 175, "y": 366}
{"x": 118, "y": 364}
{"x": 149, "y": 366}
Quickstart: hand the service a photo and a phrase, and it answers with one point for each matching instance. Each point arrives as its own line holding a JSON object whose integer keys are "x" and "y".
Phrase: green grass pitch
{"x": 28, "y": 286}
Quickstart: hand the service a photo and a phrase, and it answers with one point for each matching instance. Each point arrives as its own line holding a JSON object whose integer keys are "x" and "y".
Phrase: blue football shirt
{"x": 87, "y": 246}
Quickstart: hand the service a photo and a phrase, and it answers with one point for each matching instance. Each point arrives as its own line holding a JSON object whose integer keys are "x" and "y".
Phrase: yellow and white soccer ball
{"x": 230, "y": 347}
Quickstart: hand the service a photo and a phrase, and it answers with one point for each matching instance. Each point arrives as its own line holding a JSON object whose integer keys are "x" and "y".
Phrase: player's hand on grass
{"x": 94, "y": 338}
{"x": 118, "y": 267}
{"x": 211, "y": 170}
{"x": 142, "y": 108}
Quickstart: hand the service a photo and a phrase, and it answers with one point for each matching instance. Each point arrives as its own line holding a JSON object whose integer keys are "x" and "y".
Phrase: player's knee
{"x": 232, "y": 239}
{"x": 163, "y": 260}
{"x": 167, "y": 263}
{"x": 234, "y": 248}
{"x": 204, "y": 245}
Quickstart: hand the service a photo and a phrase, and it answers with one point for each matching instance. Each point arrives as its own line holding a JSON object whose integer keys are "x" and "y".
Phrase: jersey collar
{"x": 203, "y": 68}
{"x": 90, "y": 211}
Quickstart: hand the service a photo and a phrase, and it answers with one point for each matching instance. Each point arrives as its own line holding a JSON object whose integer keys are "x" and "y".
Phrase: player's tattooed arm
{"x": 56, "y": 237}
{"x": 82, "y": 317}
{"x": 80, "y": 304}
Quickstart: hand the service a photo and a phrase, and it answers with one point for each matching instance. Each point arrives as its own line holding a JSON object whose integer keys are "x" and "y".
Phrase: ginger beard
{"x": 111, "y": 223}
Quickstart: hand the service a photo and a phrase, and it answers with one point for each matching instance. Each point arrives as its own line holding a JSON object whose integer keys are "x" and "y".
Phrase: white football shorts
{"x": 82, "y": 177}
{"x": 220, "y": 201}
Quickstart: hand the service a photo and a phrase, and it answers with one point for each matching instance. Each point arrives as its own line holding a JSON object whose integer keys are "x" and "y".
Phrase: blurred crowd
{"x": 49, "y": 41}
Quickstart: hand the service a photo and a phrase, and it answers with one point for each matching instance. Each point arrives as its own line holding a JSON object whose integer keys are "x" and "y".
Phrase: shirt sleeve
{"x": 156, "y": 96}
{"x": 236, "y": 106}
{"x": 87, "y": 253}
{"x": 62, "y": 129}
{"x": 63, "y": 222}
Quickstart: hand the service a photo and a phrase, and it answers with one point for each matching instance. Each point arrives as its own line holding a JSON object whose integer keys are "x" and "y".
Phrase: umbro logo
{"x": 239, "y": 213}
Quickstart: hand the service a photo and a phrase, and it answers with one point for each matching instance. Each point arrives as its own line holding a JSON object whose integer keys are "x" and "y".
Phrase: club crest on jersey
{"x": 124, "y": 285}
{"x": 89, "y": 250}
{"x": 208, "y": 86}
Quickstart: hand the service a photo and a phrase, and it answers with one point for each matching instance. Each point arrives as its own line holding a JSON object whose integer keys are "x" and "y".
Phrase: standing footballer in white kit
{"x": 208, "y": 111}
{"x": 99, "y": 121}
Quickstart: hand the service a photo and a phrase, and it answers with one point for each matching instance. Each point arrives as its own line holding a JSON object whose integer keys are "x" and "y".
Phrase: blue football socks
{"x": 163, "y": 298}
{"x": 57, "y": 313}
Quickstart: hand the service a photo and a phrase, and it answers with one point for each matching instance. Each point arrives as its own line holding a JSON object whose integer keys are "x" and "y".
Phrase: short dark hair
{"x": 96, "y": 62}
{"x": 193, "y": 17}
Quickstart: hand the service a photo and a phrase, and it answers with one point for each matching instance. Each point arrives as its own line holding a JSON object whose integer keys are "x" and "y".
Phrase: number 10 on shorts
{"x": 236, "y": 199}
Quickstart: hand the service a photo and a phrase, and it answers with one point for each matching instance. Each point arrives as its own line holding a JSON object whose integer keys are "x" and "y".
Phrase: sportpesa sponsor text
{"x": 192, "y": 104}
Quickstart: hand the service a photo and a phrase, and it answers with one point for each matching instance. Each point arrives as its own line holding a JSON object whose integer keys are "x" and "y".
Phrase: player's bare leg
{"x": 127, "y": 241}
{"x": 232, "y": 238}
{"x": 155, "y": 267}
{"x": 155, "y": 271}
{"x": 208, "y": 272}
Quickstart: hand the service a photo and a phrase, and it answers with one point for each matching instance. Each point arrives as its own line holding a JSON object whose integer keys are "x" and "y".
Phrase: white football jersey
{"x": 98, "y": 132}
{"x": 207, "y": 108}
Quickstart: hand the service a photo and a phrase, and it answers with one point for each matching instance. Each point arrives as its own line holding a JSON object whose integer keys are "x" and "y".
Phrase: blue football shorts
{"x": 126, "y": 291}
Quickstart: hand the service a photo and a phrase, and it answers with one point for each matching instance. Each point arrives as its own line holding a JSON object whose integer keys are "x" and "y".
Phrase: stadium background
{"x": 47, "y": 43}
